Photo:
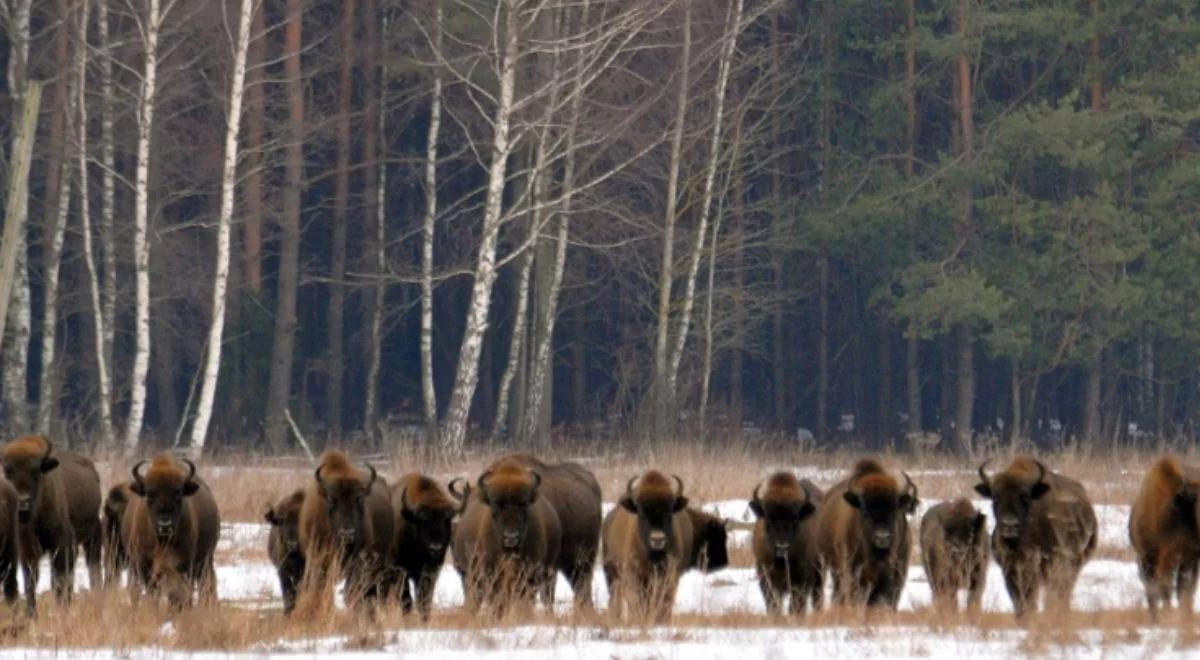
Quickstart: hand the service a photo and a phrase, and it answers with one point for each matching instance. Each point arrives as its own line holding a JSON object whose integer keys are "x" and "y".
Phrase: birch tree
{"x": 212, "y": 353}
{"x": 148, "y": 27}
{"x": 375, "y": 119}
{"x": 335, "y": 361}
{"x": 108, "y": 169}
{"x": 428, "y": 393}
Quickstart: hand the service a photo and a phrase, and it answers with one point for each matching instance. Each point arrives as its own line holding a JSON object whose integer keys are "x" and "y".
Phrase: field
{"x": 717, "y": 615}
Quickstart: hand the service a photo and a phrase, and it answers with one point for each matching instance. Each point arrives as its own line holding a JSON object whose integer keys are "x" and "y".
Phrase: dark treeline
{"x": 950, "y": 220}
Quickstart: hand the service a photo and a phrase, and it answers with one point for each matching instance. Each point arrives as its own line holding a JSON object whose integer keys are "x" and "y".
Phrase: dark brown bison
{"x": 170, "y": 530}
{"x": 710, "y": 541}
{"x": 58, "y": 509}
{"x": 424, "y": 523}
{"x": 954, "y": 551}
{"x": 863, "y": 537}
{"x": 346, "y": 521}
{"x": 116, "y": 558}
{"x": 1045, "y": 531}
{"x": 785, "y": 543}
{"x": 575, "y": 495}
{"x": 1163, "y": 530}
{"x": 283, "y": 546}
{"x": 9, "y": 552}
{"x": 648, "y": 544}
{"x": 507, "y": 541}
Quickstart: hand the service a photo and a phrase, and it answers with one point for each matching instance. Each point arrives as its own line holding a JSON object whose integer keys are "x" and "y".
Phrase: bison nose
{"x": 164, "y": 527}
{"x": 437, "y": 546}
{"x": 24, "y": 502}
{"x": 347, "y": 534}
{"x": 882, "y": 539}
{"x": 511, "y": 540}
{"x": 781, "y": 548}
{"x": 657, "y": 540}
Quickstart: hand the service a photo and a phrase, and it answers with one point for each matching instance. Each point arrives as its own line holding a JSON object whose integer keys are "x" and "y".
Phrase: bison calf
{"x": 1163, "y": 530}
{"x": 58, "y": 508}
{"x": 1045, "y": 531}
{"x": 170, "y": 530}
{"x": 424, "y": 522}
{"x": 862, "y": 527}
{"x": 283, "y": 546}
{"x": 785, "y": 544}
{"x": 648, "y": 541}
{"x": 954, "y": 551}
{"x": 710, "y": 542}
{"x": 116, "y": 557}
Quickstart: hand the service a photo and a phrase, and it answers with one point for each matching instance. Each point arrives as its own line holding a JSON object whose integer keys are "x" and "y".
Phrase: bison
{"x": 954, "y": 551}
{"x": 116, "y": 557}
{"x": 785, "y": 544}
{"x": 507, "y": 542}
{"x": 170, "y": 530}
{"x": 1163, "y": 530}
{"x": 9, "y": 551}
{"x": 58, "y": 509}
{"x": 283, "y": 546}
{"x": 710, "y": 541}
{"x": 346, "y": 521}
{"x": 424, "y": 523}
{"x": 863, "y": 537}
{"x": 575, "y": 495}
{"x": 648, "y": 544}
{"x": 1045, "y": 531}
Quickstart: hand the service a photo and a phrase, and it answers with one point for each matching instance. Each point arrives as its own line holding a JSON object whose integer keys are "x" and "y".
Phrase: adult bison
{"x": 785, "y": 544}
{"x": 575, "y": 495}
{"x": 863, "y": 537}
{"x": 346, "y": 522}
{"x": 58, "y": 509}
{"x": 283, "y": 546}
{"x": 424, "y": 523}
{"x": 954, "y": 551}
{"x": 1045, "y": 531}
{"x": 648, "y": 541}
{"x": 9, "y": 552}
{"x": 507, "y": 541}
{"x": 116, "y": 557}
{"x": 710, "y": 541}
{"x": 1163, "y": 530}
{"x": 170, "y": 530}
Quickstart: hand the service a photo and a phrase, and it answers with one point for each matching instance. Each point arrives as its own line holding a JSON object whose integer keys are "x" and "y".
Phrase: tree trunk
{"x": 108, "y": 167}
{"x": 912, "y": 352}
{"x": 252, "y": 219}
{"x": 335, "y": 323}
{"x": 1091, "y": 399}
{"x": 516, "y": 344}
{"x": 466, "y": 375}
{"x": 662, "y": 398}
{"x": 822, "y": 425}
{"x": 965, "y": 394}
{"x": 429, "y": 394}
{"x": 886, "y": 427}
{"x": 736, "y": 352}
{"x": 779, "y": 363}
{"x": 964, "y": 410}
{"x": 1015, "y": 428}
{"x": 141, "y": 244}
{"x": 912, "y": 377}
{"x": 212, "y": 354}
{"x": 280, "y": 388}
{"x": 376, "y": 184}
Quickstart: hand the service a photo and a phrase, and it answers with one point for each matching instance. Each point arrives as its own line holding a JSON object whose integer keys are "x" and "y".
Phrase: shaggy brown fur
{"x": 785, "y": 544}
{"x": 575, "y": 495}
{"x": 171, "y": 529}
{"x": 954, "y": 551}
{"x": 58, "y": 494}
{"x": 1045, "y": 531}
{"x": 710, "y": 541}
{"x": 283, "y": 545}
{"x": 347, "y": 520}
{"x": 424, "y": 521}
{"x": 1163, "y": 530}
{"x": 648, "y": 541}
{"x": 863, "y": 537}
{"x": 506, "y": 544}
{"x": 9, "y": 552}
{"x": 116, "y": 557}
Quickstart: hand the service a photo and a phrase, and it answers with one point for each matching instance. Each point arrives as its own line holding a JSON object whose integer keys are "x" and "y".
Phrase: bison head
{"x": 785, "y": 507}
{"x": 432, "y": 517}
{"x": 25, "y": 461}
{"x": 1012, "y": 497}
{"x": 881, "y": 507}
{"x": 509, "y": 491}
{"x": 655, "y": 504}
{"x": 164, "y": 488}
{"x": 285, "y": 517}
{"x": 345, "y": 496}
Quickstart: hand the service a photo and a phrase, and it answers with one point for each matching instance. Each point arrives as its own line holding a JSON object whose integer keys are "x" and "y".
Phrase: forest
{"x": 936, "y": 223}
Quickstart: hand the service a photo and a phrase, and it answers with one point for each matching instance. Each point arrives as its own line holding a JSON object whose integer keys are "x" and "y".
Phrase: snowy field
{"x": 735, "y": 627}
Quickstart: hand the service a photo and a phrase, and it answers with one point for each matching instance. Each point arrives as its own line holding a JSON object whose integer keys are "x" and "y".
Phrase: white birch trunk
{"x": 18, "y": 321}
{"x": 141, "y": 244}
{"x": 710, "y": 176}
{"x": 108, "y": 166}
{"x": 467, "y": 373}
{"x": 375, "y": 359}
{"x": 663, "y": 396}
{"x": 429, "y": 394}
{"x": 212, "y": 360}
{"x": 500, "y": 425}
{"x": 99, "y": 323}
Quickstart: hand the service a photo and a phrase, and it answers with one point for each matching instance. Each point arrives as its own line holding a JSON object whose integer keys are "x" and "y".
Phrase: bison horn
{"x": 910, "y": 486}
{"x": 983, "y": 475}
{"x": 755, "y": 496}
{"x": 317, "y": 474}
{"x": 49, "y": 447}
{"x": 680, "y": 483}
{"x": 537, "y": 479}
{"x": 482, "y": 478}
{"x": 374, "y": 475}
{"x": 1041, "y": 471}
{"x": 629, "y": 486}
{"x": 404, "y": 499}
{"x": 460, "y": 495}
{"x": 137, "y": 476}
{"x": 191, "y": 470}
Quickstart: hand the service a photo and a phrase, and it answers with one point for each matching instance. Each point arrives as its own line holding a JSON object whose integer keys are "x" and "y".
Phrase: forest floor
{"x": 717, "y": 615}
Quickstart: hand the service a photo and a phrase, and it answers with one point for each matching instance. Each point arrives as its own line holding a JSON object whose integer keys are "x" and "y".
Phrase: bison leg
{"x": 91, "y": 553}
{"x": 1020, "y": 590}
{"x": 10, "y": 582}
{"x": 770, "y": 594}
{"x": 62, "y": 572}
{"x": 29, "y": 571}
{"x": 208, "y": 583}
{"x": 580, "y": 577}
{"x": 425, "y": 585}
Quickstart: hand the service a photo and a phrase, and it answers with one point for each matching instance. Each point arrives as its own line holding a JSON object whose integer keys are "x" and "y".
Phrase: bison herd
{"x": 522, "y": 522}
